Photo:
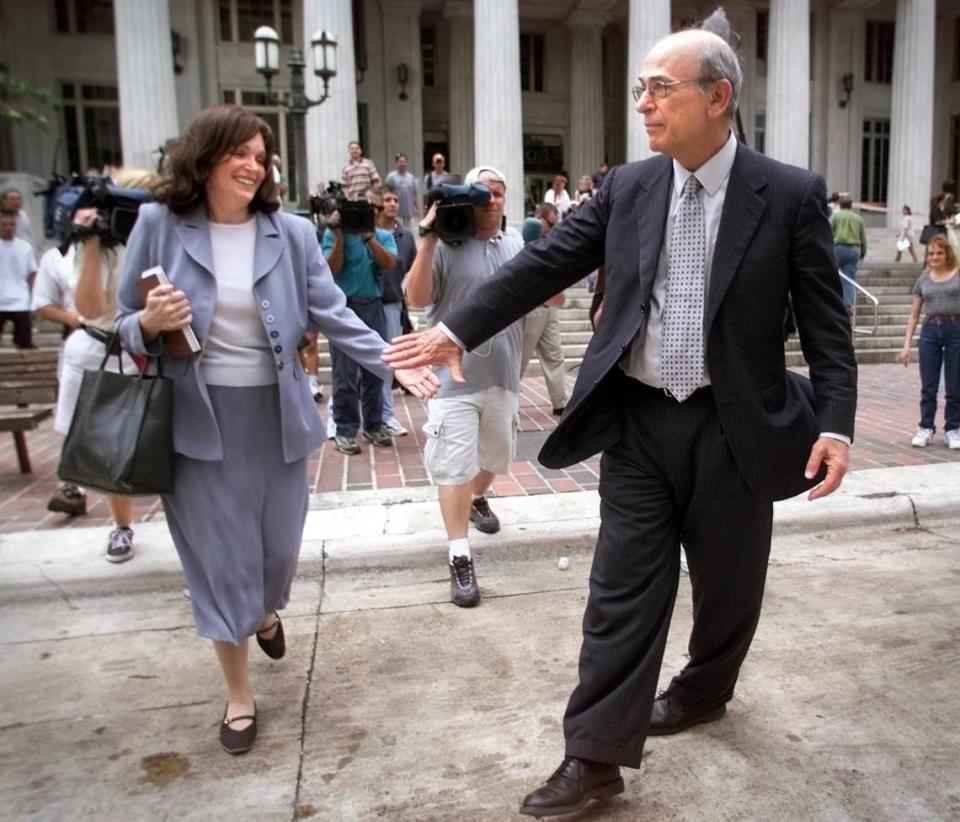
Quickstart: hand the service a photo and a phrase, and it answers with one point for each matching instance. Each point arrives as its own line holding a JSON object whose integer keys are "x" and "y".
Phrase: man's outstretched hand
{"x": 423, "y": 348}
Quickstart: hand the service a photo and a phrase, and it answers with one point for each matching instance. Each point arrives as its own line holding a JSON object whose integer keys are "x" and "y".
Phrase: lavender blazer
{"x": 294, "y": 292}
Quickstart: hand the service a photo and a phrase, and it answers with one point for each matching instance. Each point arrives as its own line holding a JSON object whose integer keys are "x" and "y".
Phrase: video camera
{"x": 117, "y": 209}
{"x": 356, "y": 216}
{"x": 455, "y": 220}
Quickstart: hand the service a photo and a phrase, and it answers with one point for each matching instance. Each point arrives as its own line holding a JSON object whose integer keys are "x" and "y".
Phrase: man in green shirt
{"x": 849, "y": 243}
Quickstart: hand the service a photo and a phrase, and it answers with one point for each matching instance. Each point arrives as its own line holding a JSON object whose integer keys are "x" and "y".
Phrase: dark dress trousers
{"x": 704, "y": 472}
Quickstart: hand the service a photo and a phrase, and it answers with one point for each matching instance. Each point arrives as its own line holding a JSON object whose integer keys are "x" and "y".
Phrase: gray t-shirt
{"x": 939, "y": 298}
{"x": 407, "y": 191}
{"x": 457, "y": 269}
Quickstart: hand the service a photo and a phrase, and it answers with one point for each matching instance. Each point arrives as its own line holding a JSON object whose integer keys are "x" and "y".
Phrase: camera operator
{"x": 99, "y": 265}
{"x": 471, "y": 427}
{"x": 358, "y": 262}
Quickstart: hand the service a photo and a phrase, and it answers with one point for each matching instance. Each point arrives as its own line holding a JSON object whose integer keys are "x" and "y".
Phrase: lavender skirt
{"x": 238, "y": 523}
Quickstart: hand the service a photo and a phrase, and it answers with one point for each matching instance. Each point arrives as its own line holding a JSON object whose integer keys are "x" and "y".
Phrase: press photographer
{"x": 470, "y": 429}
{"x": 358, "y": 260}
{"x": 332, "y": 209}
{"x": 115, "y": 207}
{"x": 98, "y": 217}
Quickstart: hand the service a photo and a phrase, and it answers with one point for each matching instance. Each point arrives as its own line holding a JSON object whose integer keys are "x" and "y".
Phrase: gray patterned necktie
{"x": 681, "y": 339}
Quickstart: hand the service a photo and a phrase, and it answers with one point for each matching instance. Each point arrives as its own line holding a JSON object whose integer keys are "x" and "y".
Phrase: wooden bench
{"x": 28, "y": 392}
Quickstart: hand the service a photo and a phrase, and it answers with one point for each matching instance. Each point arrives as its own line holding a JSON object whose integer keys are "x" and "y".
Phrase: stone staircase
{"x": 891, "y": 283}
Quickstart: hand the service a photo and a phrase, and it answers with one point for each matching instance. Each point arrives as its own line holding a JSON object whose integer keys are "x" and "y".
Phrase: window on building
{"x": 878, "y": 52}
{"x": 428, "y": 56}
{"x": 760, "y": 47}
{"x": 760, "y": 132}
{"x": 875, "y": 161}
{"x": 92, "y": 126}
{"x": 239, "y": 19}
{"x": 84, "y": 16}
{"x": 280, "y": 124}
{"x": 956, "y": 50}
{"x": 531, "y": 62}
{"x": 955, "y": 147}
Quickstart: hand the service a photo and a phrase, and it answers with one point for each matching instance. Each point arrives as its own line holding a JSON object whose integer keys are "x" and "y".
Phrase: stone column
{"x": 586, "y": 93}
{"x": 911, "y": 116}
{"x": 459, "y": 15}
{"x": 148, "y": 101}
{"x": 404, "y": 118}
{"x": 498, "y": 114}
{"x": 788, "y": 82}
{"x": 334, "y": 124}
{"x": 649, "y": 22}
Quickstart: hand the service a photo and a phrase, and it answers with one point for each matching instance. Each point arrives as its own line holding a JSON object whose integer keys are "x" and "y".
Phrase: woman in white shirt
{"x": 557, "y": 195}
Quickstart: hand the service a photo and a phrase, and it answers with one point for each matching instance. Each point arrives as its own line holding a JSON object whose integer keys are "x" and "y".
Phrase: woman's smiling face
{"x": 236, "y": 176}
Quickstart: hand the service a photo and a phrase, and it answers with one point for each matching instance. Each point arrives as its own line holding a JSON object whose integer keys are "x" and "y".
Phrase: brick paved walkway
{"x": 887, "y": 418}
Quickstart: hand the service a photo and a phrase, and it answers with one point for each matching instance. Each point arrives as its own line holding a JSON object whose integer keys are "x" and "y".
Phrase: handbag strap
{"x": 116, "y": 346}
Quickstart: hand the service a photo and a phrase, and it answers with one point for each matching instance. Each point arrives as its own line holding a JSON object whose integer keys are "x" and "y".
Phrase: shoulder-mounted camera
{"x": 455, "y": 219}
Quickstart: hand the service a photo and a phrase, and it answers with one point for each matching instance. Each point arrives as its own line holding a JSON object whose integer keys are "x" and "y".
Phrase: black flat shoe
{"x": 276, "y": 646}
{"x": 238, "y": 742}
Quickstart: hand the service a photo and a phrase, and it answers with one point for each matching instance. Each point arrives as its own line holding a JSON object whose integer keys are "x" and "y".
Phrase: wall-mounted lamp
{"x": 403, "y": 78}
{"x": 846, "y": 86}
{"x": 176, "y": 44}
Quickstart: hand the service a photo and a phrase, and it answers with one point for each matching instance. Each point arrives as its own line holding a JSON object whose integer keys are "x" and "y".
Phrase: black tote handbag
{"x": 121, "y": 437}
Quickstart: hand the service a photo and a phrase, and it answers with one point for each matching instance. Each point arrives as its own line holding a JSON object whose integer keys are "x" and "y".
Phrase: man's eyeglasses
{"x": 661, "y": 88}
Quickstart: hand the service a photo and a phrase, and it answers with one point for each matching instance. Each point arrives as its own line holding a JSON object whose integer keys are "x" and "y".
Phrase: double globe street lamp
{"x": 267, "y": 57}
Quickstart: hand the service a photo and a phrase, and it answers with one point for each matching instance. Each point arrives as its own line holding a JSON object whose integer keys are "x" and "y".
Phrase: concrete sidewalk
{"x": 393, "y": 704}
{"x": 402, "y": 528}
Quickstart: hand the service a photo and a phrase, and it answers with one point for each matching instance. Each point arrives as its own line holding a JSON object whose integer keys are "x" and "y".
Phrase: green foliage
{"x": 22, "y": 103}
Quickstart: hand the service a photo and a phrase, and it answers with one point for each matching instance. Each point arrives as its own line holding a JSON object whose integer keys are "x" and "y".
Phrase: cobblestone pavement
{"x": 887, "y": 417}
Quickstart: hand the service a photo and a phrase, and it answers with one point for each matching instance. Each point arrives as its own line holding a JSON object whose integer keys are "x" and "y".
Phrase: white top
{"x": 561, "y": 200}
{"x": 24, "y": 229}
{"x": 17, "y": 263}
{"x": 236, "y": 352}
{"x": 56, "y": 280}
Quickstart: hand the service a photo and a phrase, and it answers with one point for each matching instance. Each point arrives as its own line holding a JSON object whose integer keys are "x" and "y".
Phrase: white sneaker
{"x": 394, "y": 429}
{"x": 953, "y": 439}
{"x": 922, "y": 438}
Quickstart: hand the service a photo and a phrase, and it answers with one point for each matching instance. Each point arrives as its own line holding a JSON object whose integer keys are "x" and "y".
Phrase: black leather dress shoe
{"x": 671, "y": 716}
{"x": 276, "y": 646}
{"x": 572, "y": 786}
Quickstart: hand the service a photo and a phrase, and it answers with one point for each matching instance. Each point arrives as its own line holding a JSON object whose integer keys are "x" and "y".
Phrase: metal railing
{"x": 857, "y": 291}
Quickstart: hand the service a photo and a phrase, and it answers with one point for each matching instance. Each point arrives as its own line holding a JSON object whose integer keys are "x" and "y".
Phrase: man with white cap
{"x": 470, "y": 430}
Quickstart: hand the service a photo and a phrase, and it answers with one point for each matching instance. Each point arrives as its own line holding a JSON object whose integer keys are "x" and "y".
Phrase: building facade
{"x": 865, "y": 92}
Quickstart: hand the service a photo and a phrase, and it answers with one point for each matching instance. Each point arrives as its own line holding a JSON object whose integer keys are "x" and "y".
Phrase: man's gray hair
{"x": 718, "y": 61}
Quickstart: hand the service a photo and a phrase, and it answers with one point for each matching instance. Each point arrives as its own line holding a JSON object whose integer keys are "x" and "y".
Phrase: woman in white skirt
{"x": 97, "y": 278}
{"x": 250, "y": 280}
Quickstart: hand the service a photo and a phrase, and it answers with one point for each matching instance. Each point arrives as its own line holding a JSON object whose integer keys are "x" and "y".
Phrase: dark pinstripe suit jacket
{"x": 774, "y": 240}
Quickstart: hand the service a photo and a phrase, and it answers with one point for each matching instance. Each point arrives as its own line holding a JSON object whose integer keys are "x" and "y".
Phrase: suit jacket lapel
{"x": 193, "y": 229}
{"x": 742, "y": 210}
{"x": 269, "y": 246}
{"x": 653, "y": 203}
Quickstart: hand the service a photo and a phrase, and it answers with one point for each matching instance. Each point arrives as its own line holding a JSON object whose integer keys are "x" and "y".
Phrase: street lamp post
{"x": 267, "y": 58}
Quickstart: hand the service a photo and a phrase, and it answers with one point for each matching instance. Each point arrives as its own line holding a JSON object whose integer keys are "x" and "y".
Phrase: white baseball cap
{"x": 473, "y": 175}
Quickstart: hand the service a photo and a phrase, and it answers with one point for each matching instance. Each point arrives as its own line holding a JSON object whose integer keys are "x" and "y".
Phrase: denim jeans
{"x": 355, "y": 388}
{"x": 940, "y": 349}
{"x": 847, "y": 257}
{"x": 391, "y": 312}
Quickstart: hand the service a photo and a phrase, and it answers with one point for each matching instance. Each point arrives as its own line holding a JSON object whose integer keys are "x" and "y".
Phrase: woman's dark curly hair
{"x": 211, "y": 135}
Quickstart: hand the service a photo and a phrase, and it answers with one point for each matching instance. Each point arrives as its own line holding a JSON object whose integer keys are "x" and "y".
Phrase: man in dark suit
{"x": 685, "y": 390}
